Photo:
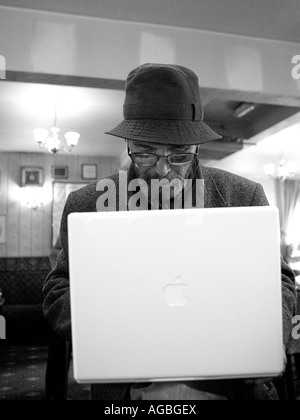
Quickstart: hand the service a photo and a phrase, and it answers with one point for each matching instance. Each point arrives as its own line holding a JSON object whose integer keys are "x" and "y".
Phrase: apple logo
{"x": 174, "y": 293}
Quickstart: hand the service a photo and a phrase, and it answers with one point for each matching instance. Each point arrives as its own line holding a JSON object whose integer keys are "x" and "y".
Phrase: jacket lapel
{"x": 213, "y": 196}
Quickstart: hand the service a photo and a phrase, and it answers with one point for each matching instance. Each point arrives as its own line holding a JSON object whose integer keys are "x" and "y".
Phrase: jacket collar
{"x": 213, "y": 195}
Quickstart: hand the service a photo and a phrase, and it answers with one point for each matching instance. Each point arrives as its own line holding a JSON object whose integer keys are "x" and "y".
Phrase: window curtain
{"x": 287, "y": 196}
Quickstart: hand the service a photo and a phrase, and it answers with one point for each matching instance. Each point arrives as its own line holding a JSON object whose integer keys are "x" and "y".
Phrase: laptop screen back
{"x": 176, "y": 295}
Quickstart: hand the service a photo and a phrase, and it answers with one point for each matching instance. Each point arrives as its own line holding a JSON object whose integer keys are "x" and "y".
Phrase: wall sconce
{"x": 282, "y": 171}
{"x": 32, "y": 197}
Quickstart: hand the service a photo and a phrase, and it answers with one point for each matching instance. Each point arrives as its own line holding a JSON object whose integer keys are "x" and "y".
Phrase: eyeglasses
{"x": 151, "y": 159}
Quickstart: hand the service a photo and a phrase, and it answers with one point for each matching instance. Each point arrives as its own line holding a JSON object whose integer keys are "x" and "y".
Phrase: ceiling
{"x": 92, "y": 110}
{"x": 269, "y": 19}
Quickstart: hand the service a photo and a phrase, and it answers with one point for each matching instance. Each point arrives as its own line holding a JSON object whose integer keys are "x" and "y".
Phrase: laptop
{"x": 176, "y": 295}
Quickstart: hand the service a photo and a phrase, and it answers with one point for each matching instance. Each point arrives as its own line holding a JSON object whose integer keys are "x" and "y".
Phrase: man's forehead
{"x": 158, "y": 145}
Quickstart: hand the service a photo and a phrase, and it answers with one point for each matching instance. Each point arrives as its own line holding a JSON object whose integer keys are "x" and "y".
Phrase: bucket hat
{"x": 163, "y": 105}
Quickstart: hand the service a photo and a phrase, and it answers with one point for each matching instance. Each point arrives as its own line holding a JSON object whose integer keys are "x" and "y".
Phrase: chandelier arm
{"x": 55, "y": 115}
{"x": 51, "y": 142}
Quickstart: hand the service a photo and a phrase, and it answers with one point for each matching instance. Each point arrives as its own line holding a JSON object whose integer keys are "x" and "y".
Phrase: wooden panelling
{"x": 29, "y": 231}
{"x": 13, "y": 205}
{"x": 3, "y": 195}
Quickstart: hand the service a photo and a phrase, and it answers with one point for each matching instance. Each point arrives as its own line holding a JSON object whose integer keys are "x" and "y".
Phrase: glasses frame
{"x": 167, "y": 157}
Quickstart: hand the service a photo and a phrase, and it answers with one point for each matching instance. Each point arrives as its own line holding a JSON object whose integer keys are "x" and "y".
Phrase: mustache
{"x": 172, "y": 186}
{"x": 168, "y": 177}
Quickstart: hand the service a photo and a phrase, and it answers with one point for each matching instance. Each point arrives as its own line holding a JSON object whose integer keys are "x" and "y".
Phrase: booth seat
{"x": 21, "y": 282}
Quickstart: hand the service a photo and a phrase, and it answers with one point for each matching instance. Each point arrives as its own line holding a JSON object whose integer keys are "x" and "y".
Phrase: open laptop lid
{"x": 176, "y": 295}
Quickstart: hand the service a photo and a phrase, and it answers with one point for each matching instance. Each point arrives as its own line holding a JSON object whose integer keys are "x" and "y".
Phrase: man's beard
{"x": 171, "y": 189}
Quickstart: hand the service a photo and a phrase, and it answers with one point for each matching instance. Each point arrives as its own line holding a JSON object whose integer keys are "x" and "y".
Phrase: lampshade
{"x": 49, "y": 140}
{"x": 40, "y": 135}
{"x": 72, "y": 138}
{"x": 281, "y": 171}
{"x": 53, "y": 144}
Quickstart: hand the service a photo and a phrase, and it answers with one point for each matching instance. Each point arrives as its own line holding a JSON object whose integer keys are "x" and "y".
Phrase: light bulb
{"x": 53, "y": 144}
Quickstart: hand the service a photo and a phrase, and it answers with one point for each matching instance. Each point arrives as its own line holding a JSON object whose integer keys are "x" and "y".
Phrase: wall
{"x": 249, "y": 164}
{"x": 250, "y": 161}
{"x": 28, "y": 231}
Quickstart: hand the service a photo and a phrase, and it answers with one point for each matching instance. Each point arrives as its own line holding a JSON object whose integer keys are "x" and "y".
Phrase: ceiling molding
{"x": 276, "y": 128}
{"x": 64, "y": 80}
{"x": 219, "y": 105}
{"x": 269, "y": 119}
{"x": 247, "y": 96}
{"x": 208, "y": 94}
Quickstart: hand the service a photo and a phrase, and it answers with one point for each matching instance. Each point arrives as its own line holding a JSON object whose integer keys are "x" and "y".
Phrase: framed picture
{"x": 89, "y": 171}
{"x": 31, "y": 176}
{"x": 60, "y": 172}
{"x": 2, "y": 230}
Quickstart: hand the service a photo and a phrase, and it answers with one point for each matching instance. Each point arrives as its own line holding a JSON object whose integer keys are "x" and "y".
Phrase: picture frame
{"x": 89, "y": 171}
{"x": 31, "y": 176}
{"x": 2, "y": 229}
{"x": 60, "y": 172}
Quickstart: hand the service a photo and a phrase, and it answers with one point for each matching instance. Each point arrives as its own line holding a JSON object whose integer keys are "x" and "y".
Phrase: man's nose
{"x": 163, "y": 167}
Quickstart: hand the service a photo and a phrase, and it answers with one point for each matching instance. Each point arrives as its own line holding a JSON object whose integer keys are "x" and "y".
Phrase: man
{"x": 163, "y": 126}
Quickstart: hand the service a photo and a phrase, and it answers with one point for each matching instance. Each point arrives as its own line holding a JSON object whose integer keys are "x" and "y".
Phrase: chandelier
{"x": 282, "y": 171}
{"x": 49, "y": 139}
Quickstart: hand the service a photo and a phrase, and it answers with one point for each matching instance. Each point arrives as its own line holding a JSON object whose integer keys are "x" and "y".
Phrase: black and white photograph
{"x": 31, "y": 176}
{"x": 89, "y": 172}
{"x": 150, "y": 202}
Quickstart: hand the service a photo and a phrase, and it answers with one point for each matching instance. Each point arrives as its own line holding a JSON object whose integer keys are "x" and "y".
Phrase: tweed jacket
{"x": 222, "y": 189}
